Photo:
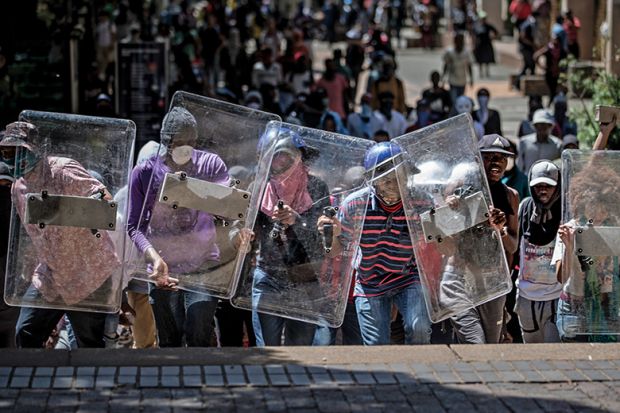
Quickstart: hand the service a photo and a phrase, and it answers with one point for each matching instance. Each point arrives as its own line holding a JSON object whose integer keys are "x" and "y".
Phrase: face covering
{"x": 386, "y": 108}
{"x": 483, "y": 101}
{"x": 182, "y": 154}
{"x": 254, "y": 105}
{"x": 26, "y": 161}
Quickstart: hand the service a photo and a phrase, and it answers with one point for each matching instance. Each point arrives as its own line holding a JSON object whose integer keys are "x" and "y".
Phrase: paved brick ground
{"x": 546, "y": 378}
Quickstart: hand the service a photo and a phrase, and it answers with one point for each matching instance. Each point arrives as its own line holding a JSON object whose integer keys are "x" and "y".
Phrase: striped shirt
{"x": 385, "y": 259}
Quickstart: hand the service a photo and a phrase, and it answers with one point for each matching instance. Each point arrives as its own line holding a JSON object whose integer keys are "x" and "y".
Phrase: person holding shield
{"x": 164, "y": 234}
{"x": 387, "y": 273}
{"x": 287, "y": 240}
{"x": 62, "y": 252}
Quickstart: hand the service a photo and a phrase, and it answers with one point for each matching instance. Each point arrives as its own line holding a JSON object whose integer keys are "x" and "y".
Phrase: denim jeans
{"x": 351, "y": 334}
{"x": 35, "y": 325}
{"x": 268, "y": 328}
{"x": 374, "y": 315}
{"x": 455, "y": 92}
{"x": 182, "y": 315}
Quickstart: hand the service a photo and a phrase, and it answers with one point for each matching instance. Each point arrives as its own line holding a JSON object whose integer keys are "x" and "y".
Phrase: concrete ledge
{"x": 309, "y": 355}
{"x": 513, "y": 352}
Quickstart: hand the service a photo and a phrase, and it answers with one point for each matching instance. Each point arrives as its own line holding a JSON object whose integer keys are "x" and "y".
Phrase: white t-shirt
{"x": 457, "y": 66}
{"x": 537, "y": 279}
{"x": 395, "y": 127}
{"x": 271, "y": 75}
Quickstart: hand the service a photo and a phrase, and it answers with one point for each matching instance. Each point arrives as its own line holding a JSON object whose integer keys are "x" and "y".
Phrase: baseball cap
{"x": 494, "y": 143}
{"x": 544, "y": 172}
{"x": 543, "y": 116}
{"x": 19, "y": 134}
{"x": 569, "y": 140}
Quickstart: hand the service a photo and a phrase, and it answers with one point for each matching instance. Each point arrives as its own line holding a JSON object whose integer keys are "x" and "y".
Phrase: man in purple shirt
{"x": 179, "y": 240}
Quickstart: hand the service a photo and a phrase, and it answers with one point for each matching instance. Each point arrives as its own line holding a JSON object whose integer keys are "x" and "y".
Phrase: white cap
{"x": 544, "y": 172}
{"x": 543, "y": 116}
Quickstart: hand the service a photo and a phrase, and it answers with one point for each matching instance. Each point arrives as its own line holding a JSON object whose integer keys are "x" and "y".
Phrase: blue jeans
{"x": 455, "y": 92}
{"x": 374, "y": 315}
{"x": 351, "y": 335}
{"x": 35, "y": 325}
{"x": 182, "y": 315}
{"x": 268, "y": 328}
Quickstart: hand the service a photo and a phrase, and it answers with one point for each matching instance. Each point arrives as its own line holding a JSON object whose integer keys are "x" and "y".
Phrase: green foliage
{"x": 603, "y": 88}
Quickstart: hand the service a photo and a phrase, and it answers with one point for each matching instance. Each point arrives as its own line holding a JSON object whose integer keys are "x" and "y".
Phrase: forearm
{"x": 509, "y": 241}
{"x": 601, "y": 141}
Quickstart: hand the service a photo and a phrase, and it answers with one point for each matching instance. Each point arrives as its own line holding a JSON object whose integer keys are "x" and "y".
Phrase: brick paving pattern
{"x": 478, "y": 386}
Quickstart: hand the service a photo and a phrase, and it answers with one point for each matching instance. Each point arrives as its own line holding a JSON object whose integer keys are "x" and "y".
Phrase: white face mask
{"x": 254, "y": 105}
{"x": 182, "y": 154}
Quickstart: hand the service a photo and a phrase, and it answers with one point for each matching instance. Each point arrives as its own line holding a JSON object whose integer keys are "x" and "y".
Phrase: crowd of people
{"x": 258, "y": 58}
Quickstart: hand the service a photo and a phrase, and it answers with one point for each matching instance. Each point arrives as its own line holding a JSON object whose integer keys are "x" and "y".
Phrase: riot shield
{"x": 188, "y": 198}
{"x": 446, "y": 197}
{"x": 290, "y": 269}
{"x": 65, "y": 247}
{"x": 590, "y": 270}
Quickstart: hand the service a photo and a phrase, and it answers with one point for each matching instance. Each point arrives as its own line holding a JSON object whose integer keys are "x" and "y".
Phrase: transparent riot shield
{"x": 291, "y": 270}
{"x": 189, "y": 197}
{"x": 65, "y": 247}
{"x": 446, "y": 198}
{"x": 590, "y": 271}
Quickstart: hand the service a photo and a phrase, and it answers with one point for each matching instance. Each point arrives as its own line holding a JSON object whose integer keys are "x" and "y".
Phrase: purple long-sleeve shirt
{"x": 184, "y": 238}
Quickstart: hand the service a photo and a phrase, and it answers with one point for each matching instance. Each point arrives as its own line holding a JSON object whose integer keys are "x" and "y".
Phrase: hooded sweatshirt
{"x": 538, "y": 227}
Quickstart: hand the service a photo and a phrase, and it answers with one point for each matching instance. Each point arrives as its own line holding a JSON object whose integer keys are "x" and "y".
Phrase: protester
{"x": 389, "y": 119}
{"x": 538, "y": 145}
{"x": 389, "y": 82}
{"x": 457, "y": 63}
{"x": 439, "y": 98}
{"x": 525, "y": 126}
{"x": 488, "y": 118}
{"x": 337, "y": 88}
{"x": 527, "y": 47}
{"x": 582, "y": 303}
{"x": 464, "y": 104}
{"x": 484, "y": 323}
{"x": 513, "y": 176}
{"x": 554, "y": 54}
{"x": 181, "y": 317}
{"x": 286, "y": 238}
{"x": 382, "y": 280}
{"x": 572, "y": 24}
{"x": 54, "y": 278}
{"x": 538, "y": 287}
{"x": 364, "y": 123}
{"x": 424, "y": 116}
{"x": 519, "y": 10}
{"x": 266, "y": 70}
{"x": 484, "y": 53}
